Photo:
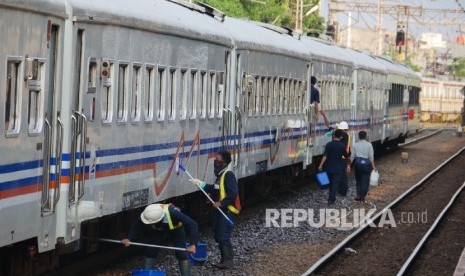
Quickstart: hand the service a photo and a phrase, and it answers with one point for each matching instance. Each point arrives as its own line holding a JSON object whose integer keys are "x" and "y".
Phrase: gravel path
{"x": 262, "y": 250}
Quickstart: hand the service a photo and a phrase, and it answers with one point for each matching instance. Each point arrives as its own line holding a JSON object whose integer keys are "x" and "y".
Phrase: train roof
{"x": 47, "y": 7}
{"x": 365, "y": 61}
{"x": 398, "y": 72}
{"x": 176, "y": 18}
{"x": 324, "y": 50}
{"x": 256, "y": 36}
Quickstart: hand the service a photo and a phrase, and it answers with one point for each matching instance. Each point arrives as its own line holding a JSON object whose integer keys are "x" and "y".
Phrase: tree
{"x": 277, "y": 12}
{"x": 458, "y": 67}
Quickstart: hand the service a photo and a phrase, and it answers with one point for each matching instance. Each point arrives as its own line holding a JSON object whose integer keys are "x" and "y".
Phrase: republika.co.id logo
{"x": 281, "y": 218}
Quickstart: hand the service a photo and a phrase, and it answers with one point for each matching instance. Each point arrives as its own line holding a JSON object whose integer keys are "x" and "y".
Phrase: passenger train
{"x": 102, "y": 98}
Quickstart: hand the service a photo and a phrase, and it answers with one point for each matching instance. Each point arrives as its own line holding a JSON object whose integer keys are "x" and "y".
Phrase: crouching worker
{"x": 160, "y": 223}
{"x": 225, "y": 194}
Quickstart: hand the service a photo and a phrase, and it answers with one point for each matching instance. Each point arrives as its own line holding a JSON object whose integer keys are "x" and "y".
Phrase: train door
{"x": 405, "y": 106}
{"x": 228, "y": 104}
{"x": 239, "y": 106}
{"x": 309, "y": 118}
{"x": 53, "y": 131}
{"x": 78, "y": 127}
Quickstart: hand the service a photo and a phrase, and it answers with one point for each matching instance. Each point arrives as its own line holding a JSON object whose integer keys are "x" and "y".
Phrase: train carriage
{"x": 397, "y": 101}
{"x": 151, "y": 93}
{"x": 271, "y": 92}
{"x": 31, "y": 133}
{"x": 103, "y": 98}
{"x": 333, "y": 68}
{"x": 368, "y": 100}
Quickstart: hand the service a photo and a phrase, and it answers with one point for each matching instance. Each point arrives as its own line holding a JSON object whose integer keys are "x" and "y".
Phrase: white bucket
{"x": 374, "y": 178}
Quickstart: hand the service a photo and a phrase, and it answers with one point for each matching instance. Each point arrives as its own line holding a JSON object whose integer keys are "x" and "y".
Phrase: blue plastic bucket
{"x": 141, "y": 272}
{"x": 200, "y": 255}
{"x": 323, "y": 180}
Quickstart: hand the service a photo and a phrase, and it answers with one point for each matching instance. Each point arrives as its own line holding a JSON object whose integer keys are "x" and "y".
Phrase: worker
{"x": 225, "y": 194}
{"x": 161, "y": 222}
{"x": 344, "y": 126}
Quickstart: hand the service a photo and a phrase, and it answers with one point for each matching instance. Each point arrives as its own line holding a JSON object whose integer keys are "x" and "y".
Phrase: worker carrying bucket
{"x": 164, "y": 222}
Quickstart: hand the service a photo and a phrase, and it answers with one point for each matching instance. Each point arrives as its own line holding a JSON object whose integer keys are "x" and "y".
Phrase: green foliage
{"x": 458, "y": 67}
{"x": 277, "y": 12}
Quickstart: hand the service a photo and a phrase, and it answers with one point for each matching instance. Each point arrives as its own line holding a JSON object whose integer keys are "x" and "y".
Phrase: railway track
{"x": 109, "y": 262}
{"x": 402, "y": 228}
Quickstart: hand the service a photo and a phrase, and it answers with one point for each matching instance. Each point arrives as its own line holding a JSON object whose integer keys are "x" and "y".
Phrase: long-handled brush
{"x": 180, "y": 166}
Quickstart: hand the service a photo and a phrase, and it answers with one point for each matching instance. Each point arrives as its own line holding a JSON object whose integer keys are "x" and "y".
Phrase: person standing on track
{"x": 161, "y": 222}
{"x": 335, "y": 163}
{"x": 364, "y": 162}
{"x": 225, "y": 193}
{"x": 345, "y": 139}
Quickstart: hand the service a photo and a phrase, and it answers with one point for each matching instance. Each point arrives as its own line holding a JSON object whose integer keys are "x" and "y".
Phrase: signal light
{"x": 400, "y": 38}
{"x": 105, "y": 69}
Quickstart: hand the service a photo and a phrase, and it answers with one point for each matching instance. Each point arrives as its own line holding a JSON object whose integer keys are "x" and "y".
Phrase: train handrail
{"x": 83, "y": 155}
{"x": 58, "y": 154}
{"x": 45, "y": 203}
{"x": 79, "y": 126}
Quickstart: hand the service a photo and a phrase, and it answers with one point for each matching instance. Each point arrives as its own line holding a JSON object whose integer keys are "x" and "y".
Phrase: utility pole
{"x": 402, "y": 14}
{"x": 299, "y": 10}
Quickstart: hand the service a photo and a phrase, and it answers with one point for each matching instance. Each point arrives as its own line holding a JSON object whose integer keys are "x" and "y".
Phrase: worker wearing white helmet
{"x": 164, "y": 222}
{"x": 344, "y": 126}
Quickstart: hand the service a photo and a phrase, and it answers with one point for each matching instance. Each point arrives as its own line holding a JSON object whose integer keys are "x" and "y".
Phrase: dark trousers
{"x": 221, "y": 228}
{"x": 344, "y": 185}
{"x": 362, "y": 178}
{"x": 335, "y": 180}
{"x": 176, "y": 237}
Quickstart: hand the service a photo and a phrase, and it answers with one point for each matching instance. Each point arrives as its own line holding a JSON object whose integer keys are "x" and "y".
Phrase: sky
{"x": 450, "y": 32}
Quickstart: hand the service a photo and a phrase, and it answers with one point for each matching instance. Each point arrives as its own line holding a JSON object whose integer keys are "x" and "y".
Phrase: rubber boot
{"x": 227, "y": 257}
{"x": 185, "y": 268}
{"x": 148, "y": 263}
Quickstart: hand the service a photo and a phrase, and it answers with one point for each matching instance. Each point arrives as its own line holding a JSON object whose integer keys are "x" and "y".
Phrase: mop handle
{"x": 211, "y": 200}
{"x": 145, "y": 244}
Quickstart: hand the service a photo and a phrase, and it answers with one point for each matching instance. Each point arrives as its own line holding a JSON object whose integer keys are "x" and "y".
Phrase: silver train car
{"x": 102, "y": 99}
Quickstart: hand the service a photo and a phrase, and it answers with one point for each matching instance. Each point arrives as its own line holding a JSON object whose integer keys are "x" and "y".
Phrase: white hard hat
{"x": 152, "y": 214}
{"x": 343, "y": 125}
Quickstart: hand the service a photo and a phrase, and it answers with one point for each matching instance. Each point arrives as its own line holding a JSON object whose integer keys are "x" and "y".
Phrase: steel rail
{"x": 363, "y": 227}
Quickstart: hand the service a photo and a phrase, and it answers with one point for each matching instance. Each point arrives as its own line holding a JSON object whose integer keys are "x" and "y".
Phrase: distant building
{"x": 441, "y": 101}
{"x": 432, "y": 40}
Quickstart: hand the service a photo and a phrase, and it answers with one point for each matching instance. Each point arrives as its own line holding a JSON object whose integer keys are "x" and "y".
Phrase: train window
{"x": 269, "y": 96}
{"x": 275, "y": 95}
{"x": 286, "y": 96}
{"x": 13, "y": 98}
{"x": 258, "y": 92}
{"x": 212, "y": 95}
{"x": 299, "y": 98}
{"x": 203, "y": 95}
{"x": 36, "y": 83}
{"x": 136, "y": 92}
{"x": 182, "y": 106}
{"x": 263, "y": 95}
{"x": 193, "y": 94}
{"x": 172, "y": 95}
{"x": 92, "y": 76}
{"x": 107, "y": 96}
{"x": 149, "y": 91}
{"x": 292, "y": 96}
{"x": 280, "y": 96}
{"x": 161, "y": 92}
{"x": 122, "y": 97}
{"x": 251, "y": 94}
{"x": 220, "y": 94}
